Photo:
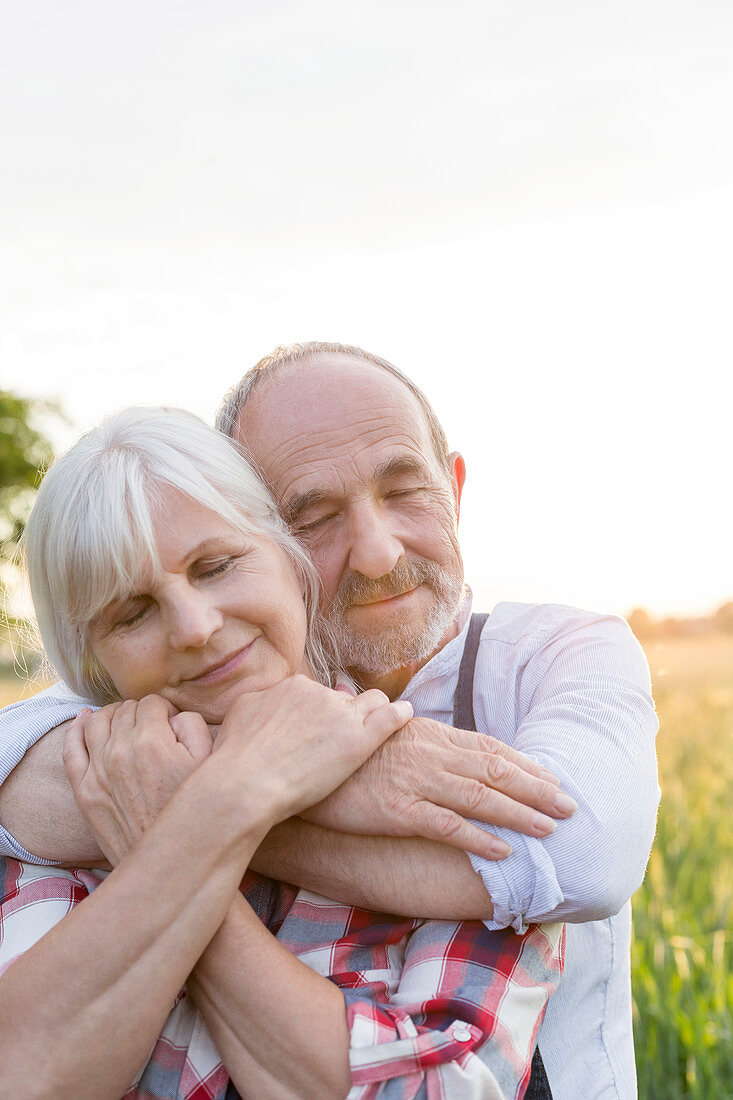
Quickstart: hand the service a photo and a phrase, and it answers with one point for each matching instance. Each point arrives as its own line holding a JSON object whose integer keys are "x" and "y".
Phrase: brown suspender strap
{"x": 463, "y": 719}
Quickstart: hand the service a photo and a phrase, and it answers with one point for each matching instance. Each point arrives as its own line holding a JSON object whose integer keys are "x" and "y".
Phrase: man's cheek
{"x": 328, "y": 567}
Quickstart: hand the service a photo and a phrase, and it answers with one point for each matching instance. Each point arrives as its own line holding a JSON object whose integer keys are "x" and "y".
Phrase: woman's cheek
{"x": 137, "y": 671}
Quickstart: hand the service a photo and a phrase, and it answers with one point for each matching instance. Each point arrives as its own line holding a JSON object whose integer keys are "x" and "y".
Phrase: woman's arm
{"x": 79, "y": 1010}
{"x": 83, "y": 1005}
{"x": 280, "y": 1027}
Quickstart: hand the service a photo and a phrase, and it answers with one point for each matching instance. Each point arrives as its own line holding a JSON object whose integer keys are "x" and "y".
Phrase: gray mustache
{"x": 357, "y": 589}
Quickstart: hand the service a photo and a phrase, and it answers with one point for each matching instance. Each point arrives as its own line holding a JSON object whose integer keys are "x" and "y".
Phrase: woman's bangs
{"x": 118, "y": 556}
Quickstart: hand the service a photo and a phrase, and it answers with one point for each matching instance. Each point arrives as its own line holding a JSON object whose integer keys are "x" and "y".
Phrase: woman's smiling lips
{"x": 222, "y": 669}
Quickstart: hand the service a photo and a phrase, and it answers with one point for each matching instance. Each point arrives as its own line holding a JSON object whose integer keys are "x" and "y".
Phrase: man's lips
{"x": 387, "y": 597}
{"x": 222, "y": 668}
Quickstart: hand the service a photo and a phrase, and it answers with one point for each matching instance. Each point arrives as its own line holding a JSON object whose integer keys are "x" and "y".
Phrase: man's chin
{"x": 378, "y": 640}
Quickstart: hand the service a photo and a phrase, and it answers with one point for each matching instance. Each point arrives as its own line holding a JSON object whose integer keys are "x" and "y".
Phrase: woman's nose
{"x": 193, "y": 618}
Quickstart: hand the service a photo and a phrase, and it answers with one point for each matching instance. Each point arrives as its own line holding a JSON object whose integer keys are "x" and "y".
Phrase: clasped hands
{"x": 356, "y": 765}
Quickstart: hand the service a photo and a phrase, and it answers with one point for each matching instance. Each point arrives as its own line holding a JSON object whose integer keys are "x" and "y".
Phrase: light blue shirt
{"x": 571, "y": 689}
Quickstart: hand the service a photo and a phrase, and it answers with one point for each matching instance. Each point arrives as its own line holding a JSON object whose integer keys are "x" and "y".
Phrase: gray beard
{"x": 398, "y": 646}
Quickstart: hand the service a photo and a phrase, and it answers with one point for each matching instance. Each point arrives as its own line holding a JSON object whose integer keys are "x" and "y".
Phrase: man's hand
{"x": 428, "y": 778}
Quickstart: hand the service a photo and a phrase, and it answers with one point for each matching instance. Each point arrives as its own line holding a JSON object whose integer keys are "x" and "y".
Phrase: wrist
{"x": 242, "y": 805}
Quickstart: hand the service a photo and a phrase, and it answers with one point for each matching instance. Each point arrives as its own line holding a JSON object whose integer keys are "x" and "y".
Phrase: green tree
{"x": 24, "y": 454}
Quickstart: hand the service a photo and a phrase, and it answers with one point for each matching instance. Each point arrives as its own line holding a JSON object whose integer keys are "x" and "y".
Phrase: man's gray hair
{"x": 288, "y": 355}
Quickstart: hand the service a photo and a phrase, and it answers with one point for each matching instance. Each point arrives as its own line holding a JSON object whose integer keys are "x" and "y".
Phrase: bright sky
{"x": 527, "y": 206}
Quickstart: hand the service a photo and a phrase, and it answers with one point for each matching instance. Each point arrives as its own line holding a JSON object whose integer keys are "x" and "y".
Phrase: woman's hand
{"x": 297, "y": 741}
{"x": 124, "y": 763}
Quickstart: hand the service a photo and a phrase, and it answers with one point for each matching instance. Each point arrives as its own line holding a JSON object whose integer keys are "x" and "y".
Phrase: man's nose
{"x": 374, "y": 549}
{"x": 193, "y": 618}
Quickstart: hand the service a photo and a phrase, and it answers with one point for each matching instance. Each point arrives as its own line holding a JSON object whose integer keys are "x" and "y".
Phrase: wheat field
{"x": 682, "y": 954}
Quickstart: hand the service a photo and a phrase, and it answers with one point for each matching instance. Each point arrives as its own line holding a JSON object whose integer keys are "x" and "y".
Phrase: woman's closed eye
{"x": 215, "y": 569}
{"x": 133, "y": 614}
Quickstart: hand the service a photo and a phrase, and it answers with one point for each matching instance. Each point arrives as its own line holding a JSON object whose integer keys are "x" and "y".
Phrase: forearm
{"x": 83, "y": 1006}
{"x": 55, "y": 829}
{"x": 273, "y": 1046}
{"x": 409, "y": 876}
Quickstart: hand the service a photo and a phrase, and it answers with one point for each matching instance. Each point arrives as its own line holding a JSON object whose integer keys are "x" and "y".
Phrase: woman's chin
{"x": 215, "y": 706}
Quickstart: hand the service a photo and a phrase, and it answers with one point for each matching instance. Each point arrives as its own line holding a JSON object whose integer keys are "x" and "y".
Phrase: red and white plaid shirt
{"x": 436, "y": 1009}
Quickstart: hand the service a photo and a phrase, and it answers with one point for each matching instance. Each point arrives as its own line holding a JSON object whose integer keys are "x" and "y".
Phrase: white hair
{"x": 90, "y": 536}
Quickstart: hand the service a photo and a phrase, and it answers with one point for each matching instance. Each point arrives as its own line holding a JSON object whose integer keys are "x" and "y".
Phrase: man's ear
{"x": 457, "y": 478}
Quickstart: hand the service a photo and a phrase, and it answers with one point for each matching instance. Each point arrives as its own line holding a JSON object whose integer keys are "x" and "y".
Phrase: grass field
{"x": 682, "y": 960}
{"x": 682, "y": 956}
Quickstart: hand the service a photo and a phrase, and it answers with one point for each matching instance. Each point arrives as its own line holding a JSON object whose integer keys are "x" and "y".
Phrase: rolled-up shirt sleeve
{"x": 582, "y": 707}
{"x": 22, "y": 724}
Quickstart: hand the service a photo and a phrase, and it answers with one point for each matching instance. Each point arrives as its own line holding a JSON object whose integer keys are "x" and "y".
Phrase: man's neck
{"x": 392, "y": 683}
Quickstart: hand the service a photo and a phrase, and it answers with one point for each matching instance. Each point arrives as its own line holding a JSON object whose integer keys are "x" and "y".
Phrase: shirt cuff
{"x": 21, "y": 726}
{"x": 524, "y": 888}
{"x": 24, "y": 723}
{"x": 9, "y": 846}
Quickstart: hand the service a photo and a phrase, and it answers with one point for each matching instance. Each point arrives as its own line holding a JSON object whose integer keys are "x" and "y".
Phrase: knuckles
{"x": 445, "y": 825}
{"x": 475, "y": 796}
{"x": 497, "y": 768}
{"x": 546, "y": 792}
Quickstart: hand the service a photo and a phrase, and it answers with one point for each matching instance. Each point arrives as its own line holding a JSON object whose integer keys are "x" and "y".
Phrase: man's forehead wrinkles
{"x": 362, "y": 430}
{"x": 312, "y": 450}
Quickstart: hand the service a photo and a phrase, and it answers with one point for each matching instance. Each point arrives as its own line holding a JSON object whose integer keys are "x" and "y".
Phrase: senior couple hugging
{"x": 272, "y": 675}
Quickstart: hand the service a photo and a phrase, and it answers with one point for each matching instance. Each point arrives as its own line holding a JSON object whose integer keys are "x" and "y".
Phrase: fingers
{"x": 495, "y": 773}
{"x": 468, "y": 739}
{"x": 472, "y": 798}
{"x": 75, "y": 755}
{"x": 441, "y": 824}
{"x": 97, "y": 727}
{"x": 154, "y": 707}
{"x": 380, "y": 717}
{"x": 369, "y": 701}
{"x": 192, "y": 732}
{"x": 385, "y": 719}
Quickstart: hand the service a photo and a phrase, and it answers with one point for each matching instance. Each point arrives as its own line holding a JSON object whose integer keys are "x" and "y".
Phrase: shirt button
{"x": 461, "y": 1033}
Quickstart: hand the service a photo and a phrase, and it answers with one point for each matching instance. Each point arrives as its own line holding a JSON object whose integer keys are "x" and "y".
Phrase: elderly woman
{"x": 163, "y": 576}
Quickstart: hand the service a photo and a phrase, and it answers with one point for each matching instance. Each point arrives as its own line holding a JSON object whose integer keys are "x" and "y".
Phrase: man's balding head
{"x": 351, "y": 452}
{"x": 300, "y": 356}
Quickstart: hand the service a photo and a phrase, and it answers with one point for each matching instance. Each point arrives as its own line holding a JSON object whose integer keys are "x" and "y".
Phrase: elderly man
{"x": 361, "y": 469}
